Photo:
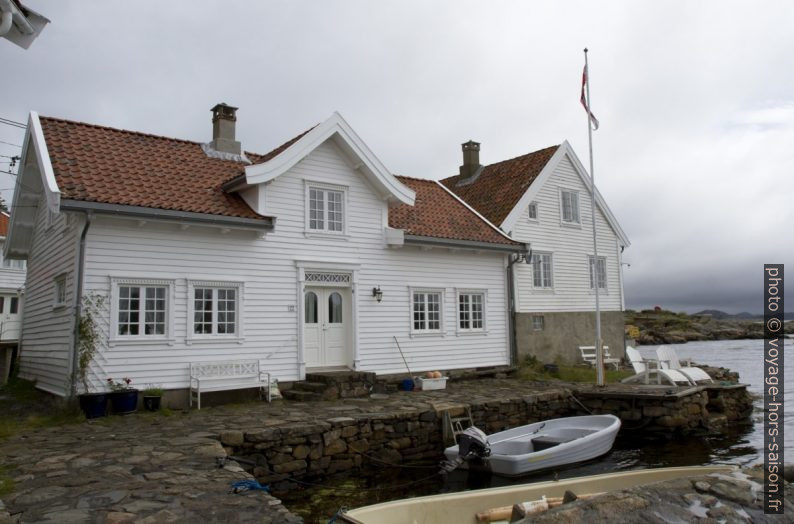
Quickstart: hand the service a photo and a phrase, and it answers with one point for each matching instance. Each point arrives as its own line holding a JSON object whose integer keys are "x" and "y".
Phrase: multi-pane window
{"x": 600, "y": 272}
{"x": 60, "y": 291}
{"x": 141, "y": 310}
{"x": 538, "y": 323}
{"x": 470, "y": 311}
{"x": 13, "y": 264}
{"x": 427, "y": 311}
{"x": 570, "y": 206}
{"x": 214, "y": 311}
{"x": 326, "y": 210}
{"x": 541, "y": 270}
{"x": 533, "y": 210}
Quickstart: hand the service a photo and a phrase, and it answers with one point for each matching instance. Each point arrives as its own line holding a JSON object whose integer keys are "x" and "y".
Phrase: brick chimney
{"x": 471, "y": 158}
{"x": 224, "y": 118}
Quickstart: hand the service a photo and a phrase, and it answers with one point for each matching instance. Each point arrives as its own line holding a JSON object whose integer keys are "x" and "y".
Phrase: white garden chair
{"x": 645, "y": 368}
{"x": 668, "y": 359}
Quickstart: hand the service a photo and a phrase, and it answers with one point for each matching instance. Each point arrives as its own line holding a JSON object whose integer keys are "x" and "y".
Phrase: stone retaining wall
{"x": 349, "y": 443}
{"x": 344, "y": 444}
{"x": 706, "y": 411}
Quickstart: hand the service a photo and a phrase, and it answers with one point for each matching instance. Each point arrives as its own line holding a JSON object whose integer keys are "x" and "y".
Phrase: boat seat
{"x": 549, "y": 441}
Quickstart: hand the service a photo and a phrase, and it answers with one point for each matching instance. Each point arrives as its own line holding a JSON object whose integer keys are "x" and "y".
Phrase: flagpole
{"x": 594, "y": 269}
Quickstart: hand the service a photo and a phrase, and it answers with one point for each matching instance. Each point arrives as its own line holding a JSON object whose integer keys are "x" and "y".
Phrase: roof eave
{"x": 454, "y": 243}
{"x": 147, "y": 213}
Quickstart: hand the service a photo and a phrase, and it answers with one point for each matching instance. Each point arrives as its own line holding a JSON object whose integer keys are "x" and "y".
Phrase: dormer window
{"x": 533, "y": 210}
{"x": 325, "y": 210}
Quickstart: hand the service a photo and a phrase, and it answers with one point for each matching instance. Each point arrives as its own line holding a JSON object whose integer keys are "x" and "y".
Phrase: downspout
{"x": 78, "y": 301}
{"x": 511, "y": 313}
{"x": 525, "y": 257}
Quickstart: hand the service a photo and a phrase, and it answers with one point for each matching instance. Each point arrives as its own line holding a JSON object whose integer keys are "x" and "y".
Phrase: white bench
{"x": 589, "y": 356}
{"x": 226, "y": 375}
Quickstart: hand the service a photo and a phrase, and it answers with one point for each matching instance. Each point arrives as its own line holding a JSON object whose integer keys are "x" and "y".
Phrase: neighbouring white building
{"x": 313, "y": 256}
{"x": 12, "y": 285}
{"x": 543, "y": 199}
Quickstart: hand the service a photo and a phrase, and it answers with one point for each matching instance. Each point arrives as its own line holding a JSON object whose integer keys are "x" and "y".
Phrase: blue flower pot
{"x": 407, "y": 385}
{"x": 94, "y": 405}
{"x": 124, "y": 402}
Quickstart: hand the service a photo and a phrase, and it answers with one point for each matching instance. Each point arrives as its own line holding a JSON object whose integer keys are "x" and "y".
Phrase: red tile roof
{"x": 101, "y": 164}
{"x": 106, "y": 165}
{"x": 501, "y": 185}
{"x": 438, "y": 214}
{"x": 3, "y": 224}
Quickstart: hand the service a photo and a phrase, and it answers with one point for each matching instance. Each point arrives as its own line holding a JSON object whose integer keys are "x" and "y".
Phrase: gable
{"x": 35, "y": 177}
{"x": 564, "y": 154}
{"x": 358, "y": 154}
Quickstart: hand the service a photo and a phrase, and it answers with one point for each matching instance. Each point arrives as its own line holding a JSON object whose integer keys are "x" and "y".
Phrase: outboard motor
{"x": 472, "y": 444}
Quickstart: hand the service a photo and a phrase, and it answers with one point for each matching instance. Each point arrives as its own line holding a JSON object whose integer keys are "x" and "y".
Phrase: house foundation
{"x": 561, "y": 333}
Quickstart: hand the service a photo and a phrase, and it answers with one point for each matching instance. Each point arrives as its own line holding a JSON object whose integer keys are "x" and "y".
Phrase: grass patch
{"x": 531, "y": 369}
{"x": 24, "y": 408}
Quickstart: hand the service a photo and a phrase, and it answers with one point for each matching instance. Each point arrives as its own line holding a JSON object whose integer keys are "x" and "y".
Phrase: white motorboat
{"x": 537, "y": 446}
{"x": 463, "y": 507}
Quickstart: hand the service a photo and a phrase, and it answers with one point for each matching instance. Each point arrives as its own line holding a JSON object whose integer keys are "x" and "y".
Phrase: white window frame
{"x": 167, "y": 337}
{"x": 541, "y": 254}
{"x": 192, "y": 337}
{"x": 591, "y": 274}
{"x": 571, "y": 223}
{"x": 59, "y": 301}
{"x": 533, "y": 204}
{"x": 427, "y": 332}
{"x": 538, "y": 323}
{"x": 471, "y": 330}
{"x": 325, "y": 232}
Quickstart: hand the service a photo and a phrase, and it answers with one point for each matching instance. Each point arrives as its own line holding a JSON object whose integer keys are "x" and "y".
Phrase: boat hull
{"x": 549, "y": 444}
{"x": 462, "y": 507}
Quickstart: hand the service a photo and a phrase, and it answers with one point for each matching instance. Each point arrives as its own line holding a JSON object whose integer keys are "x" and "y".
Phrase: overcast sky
{"x": 696, "y": 102}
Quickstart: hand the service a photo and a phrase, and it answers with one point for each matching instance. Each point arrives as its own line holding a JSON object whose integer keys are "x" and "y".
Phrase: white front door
{"x": 326, "y": 319}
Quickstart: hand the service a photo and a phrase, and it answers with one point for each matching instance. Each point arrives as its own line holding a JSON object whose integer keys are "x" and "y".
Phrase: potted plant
{"x": 152, "y": 396}
{"x": 123, "y": 397}
{"x": 94, "y": 405}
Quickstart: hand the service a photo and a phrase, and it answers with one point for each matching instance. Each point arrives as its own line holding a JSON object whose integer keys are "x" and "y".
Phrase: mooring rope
{"x": 578, "y": 402}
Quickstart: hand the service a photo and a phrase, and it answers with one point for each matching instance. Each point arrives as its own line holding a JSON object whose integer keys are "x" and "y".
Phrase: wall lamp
{"x": 377, "y": 293}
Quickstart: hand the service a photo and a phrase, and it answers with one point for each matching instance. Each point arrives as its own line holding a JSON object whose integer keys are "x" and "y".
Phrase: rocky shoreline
{"x": 650, "y": 327}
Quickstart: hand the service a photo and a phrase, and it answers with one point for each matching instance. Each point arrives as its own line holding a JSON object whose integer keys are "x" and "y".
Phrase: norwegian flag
{"x": 583, "y": 99}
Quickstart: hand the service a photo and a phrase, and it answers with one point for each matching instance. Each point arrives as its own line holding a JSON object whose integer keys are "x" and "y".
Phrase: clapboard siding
{"x": 570, "y": 248}
{"x": 47, "y": 331}
{"x": 267, "y": 266}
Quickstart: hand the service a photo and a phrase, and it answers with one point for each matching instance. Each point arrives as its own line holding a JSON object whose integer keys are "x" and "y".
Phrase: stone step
{"x": 315, "y": 387}
{"x": 301, "y": 396}
{"x": 340, "y": 377}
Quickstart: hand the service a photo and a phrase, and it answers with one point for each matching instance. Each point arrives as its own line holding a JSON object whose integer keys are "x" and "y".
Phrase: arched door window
{"x": 335, "y": 308}
{"x": 310, "y": 308}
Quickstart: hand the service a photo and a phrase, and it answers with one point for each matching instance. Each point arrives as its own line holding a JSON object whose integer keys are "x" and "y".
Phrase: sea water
{"x": 740, "y": 444}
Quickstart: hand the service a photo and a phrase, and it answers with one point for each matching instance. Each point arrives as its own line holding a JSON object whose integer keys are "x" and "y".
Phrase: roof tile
{"x": 501, "y": 185}
{"x": 436, "y": 213}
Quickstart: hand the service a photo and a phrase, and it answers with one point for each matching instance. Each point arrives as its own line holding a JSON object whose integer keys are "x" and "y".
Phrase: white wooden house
{"x": 543, "y": 199}
{"x": 313, "y": 256}
{"x": 12, "y": 285}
